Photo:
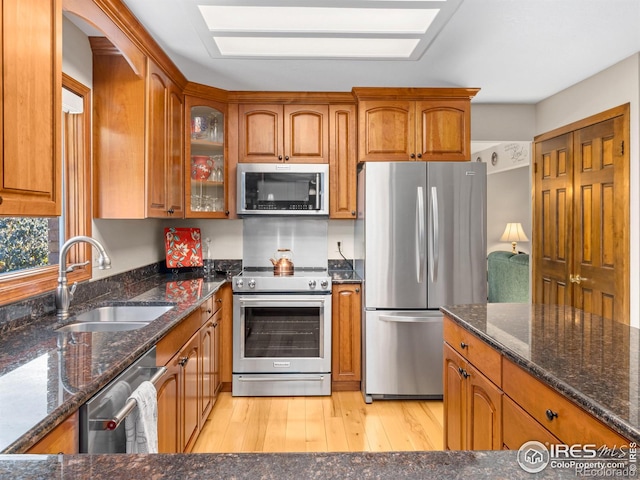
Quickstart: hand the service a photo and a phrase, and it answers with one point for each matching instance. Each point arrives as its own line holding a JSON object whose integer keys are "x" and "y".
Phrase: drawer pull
{"x": 551, "y": 414}
{"x": 463, "y": 345}
{"x": 463, "y": 372}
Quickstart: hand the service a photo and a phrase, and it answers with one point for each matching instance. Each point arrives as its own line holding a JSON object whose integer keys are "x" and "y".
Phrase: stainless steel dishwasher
{"x": 102, "y": 417}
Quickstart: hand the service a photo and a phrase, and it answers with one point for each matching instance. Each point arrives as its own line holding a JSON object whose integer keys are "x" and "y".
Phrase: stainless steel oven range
{"x": 281, "y": 333}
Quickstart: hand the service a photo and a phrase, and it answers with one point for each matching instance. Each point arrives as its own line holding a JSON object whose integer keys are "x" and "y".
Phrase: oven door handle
{"x": 288, "y": 301}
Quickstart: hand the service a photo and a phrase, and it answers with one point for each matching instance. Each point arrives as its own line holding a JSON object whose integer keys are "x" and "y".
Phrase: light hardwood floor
{"x": 342, "y": 422}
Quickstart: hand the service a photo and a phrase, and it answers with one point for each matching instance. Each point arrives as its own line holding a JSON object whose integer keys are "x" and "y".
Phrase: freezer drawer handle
{"x": 282, "y": 378}
{"x": 409, "y": 319}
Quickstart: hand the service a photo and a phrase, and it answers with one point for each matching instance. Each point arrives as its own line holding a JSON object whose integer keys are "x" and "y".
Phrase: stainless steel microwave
{"x": 283, "y": 189}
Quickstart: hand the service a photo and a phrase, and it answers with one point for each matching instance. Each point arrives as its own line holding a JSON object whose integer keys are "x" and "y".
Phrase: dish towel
{"x": 141, "y": 425}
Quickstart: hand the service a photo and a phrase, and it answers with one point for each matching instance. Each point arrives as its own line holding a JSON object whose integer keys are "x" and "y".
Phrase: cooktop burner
{"x": 262, "y": 279}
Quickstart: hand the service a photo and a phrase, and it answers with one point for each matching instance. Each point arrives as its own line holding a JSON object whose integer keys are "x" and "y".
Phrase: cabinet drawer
{"x": 519, "y": 427}
{"x": 168, "y": 346}
{"x": 207, "y": 309}
{"x": 476, "y": 351}
{"x": 571, "y": 425}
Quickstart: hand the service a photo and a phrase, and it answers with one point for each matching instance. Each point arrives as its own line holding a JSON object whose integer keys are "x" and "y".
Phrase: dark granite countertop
{"x": 591, "y": 360}
{"x": 285, "y": 466}
{"x": 46, "y": 375}
{"x": 344, "y": 276}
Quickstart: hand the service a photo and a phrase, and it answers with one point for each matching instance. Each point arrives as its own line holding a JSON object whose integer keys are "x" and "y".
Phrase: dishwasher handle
{"x": 113, "y": 423}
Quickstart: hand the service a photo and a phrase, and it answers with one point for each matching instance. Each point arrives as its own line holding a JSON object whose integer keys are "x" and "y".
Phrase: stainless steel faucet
{"x": 64, "y": 295}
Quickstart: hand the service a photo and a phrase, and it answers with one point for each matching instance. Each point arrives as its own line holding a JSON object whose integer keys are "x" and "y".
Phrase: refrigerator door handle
{"x": 434, "y": 247}
{"x": 409, "y": 319}
{"x": 420, "y": 235}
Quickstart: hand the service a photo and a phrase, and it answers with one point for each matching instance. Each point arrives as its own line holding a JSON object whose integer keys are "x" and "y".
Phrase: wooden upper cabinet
{"x": 164, "y": 146}
{"x": 387, "y": 130}
{"x": 138, "y": 138}
{"x": 31, "y": 91}
{"x": 443, "y": 129}
{"x": 283, "y": 133}
{"x": 207, "y": 162}
{"x": 422, "y": 124}
{"x": 343, "y": 161}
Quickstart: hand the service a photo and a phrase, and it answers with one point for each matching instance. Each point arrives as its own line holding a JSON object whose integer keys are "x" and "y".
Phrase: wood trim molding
{"x": 385, "y": 93}
{"x": 124, "y": 30}
{"x": 585, "y": 122}
{"x": 291, "y": 97}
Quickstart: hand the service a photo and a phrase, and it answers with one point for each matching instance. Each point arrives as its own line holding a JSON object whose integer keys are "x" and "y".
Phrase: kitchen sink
{"x": 115, "y": 318}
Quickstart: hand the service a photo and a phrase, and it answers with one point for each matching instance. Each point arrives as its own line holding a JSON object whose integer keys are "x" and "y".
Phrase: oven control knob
{"x": 324, "y": 284}
{"x": 312, "y": 284}
{"x": 239, "y": 283}
{"x": 252, "y": 283}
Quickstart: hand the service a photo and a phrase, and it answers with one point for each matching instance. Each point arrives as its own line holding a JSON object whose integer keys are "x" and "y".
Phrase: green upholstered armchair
{"x": 508, "y": 277}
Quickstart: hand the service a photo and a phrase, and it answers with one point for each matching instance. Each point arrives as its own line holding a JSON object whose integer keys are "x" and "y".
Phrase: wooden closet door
{"x": 601, "y": 217}
{"x": 552, "y": 220}
{"x": 581, "y": 215}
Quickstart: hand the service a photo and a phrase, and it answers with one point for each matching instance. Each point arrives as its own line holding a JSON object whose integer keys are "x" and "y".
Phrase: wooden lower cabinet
{"x": 472, "y": 406}
{"x": 345, "y": 337}
{"x": 210, "y": 346}
{"x": 508, "y": 407}
{"x": 552, "y": 412}
{"x": 189, "y": 388}
{"x": 65, "y": 438}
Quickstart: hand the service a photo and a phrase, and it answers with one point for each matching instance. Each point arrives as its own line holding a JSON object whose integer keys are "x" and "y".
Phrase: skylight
{"x": 393, "y": 29}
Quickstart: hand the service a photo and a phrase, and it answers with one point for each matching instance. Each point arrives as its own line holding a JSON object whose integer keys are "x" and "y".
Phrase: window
{"x": 30, "y": 247}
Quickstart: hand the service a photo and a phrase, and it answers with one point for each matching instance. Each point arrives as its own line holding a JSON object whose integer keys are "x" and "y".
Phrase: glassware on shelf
{"x": 218, "y": 168}
{"x": 199, "y": 127}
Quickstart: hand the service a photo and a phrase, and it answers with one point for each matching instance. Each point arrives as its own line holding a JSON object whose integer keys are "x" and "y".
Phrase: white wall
{"x": 509, "y": 192}
{"x": 618, "y": 85}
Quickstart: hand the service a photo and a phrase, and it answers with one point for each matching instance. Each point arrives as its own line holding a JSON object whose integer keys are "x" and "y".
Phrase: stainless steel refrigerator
{"x": 420, "y": 243}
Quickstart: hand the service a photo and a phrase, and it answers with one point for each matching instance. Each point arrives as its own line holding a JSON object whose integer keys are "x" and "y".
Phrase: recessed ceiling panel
{"x": 357, "y": 29}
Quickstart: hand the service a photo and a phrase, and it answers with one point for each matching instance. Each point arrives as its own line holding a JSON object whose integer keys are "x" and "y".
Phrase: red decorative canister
{"x": 201, "y": 166}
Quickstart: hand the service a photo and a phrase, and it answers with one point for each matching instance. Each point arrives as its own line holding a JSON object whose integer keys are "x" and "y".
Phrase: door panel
{"x": 553, "y": 215}
{"x": 598, "y": 155}
{"x": 395, "y": 223}
{"x": 581, "y": 216}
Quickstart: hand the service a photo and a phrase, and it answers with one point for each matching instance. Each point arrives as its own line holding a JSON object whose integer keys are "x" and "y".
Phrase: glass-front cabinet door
{"x": 206, "y": 162}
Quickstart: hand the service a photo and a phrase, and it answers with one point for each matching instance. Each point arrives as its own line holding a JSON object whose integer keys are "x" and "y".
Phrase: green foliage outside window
{"x": 24, "y": 243}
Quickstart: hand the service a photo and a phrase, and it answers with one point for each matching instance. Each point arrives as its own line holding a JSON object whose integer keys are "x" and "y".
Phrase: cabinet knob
{"x": 286, "y": 158}
{"x": 413, "y": 155}
{"x": 279, "y": 157}
{"x": 419, "y": 155}
{"x": 226, "y": 212}
{"x": 357, "y": 290}
{"x": 170, "y": 211}
{"x": 463, "y": 372}
{"x": 183, "y": 361}
{"x": 219, "y": 300}
{"x": 0, "y": 200}
{"x": 551, "y": 414}
{"x": 353, "y": 213}
{"x": 463, "y": 345}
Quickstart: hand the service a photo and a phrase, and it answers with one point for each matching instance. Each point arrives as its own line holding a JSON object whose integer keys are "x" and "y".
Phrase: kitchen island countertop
{"x": 276, "y": 466}
{"x": 588, "y": 359}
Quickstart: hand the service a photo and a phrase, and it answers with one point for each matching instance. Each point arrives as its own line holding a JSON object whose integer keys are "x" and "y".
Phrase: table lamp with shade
{"x": 514, "y": 233}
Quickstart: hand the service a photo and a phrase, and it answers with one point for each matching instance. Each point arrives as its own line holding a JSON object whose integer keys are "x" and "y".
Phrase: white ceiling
{"x": 516, "y": 51}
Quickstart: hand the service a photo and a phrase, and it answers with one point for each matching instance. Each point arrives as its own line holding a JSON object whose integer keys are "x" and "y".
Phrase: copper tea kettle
{"x": 282, "y": 264}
